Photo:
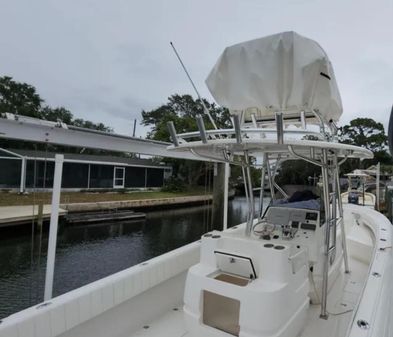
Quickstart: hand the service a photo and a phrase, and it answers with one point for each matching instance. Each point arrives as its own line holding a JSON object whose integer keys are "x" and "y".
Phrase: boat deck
{"x": 171, "y": 324}
{"x": 342, "y": 299}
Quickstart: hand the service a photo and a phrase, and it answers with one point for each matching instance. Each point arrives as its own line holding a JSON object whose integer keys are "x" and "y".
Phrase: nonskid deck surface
{"x": 342, "y": 300}
{"x": 171, "y": 324}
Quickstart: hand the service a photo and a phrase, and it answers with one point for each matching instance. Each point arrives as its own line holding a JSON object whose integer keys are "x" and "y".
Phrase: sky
{"x": 106, "y": 61}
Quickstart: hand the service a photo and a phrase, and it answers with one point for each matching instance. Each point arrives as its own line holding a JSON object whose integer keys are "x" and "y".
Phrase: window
{"x": 118, "y": 177}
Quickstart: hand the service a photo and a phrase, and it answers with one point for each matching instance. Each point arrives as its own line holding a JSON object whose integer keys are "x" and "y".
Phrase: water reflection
{"x": 87, "y": 253}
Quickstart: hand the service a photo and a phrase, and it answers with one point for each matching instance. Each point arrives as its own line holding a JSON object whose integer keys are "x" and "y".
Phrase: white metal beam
{"x": 53, "y": 227}
{"x": 22, "y": 187}
{"x": 36, "y": 130}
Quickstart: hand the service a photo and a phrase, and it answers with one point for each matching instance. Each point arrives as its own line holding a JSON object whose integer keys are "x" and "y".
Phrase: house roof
{"x": 74, "y": 157}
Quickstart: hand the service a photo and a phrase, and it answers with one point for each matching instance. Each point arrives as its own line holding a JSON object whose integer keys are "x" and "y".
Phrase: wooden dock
{"x": 94, "y": 217}
{"x": 16, "y": 215}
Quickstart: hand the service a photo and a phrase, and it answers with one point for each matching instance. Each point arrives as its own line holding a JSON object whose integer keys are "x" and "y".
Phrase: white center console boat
{"x": 358, "y": 180}
{"x": 306, "y": 267}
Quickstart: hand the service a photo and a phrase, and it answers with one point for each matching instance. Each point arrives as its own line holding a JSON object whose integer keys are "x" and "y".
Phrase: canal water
{"x": 87, "y": 253}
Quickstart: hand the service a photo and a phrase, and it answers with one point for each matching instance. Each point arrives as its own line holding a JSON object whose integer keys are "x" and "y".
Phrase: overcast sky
{"x": 107, "y": 60}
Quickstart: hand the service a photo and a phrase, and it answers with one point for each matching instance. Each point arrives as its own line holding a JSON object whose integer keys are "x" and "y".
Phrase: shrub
{"x": 173, "y": 185}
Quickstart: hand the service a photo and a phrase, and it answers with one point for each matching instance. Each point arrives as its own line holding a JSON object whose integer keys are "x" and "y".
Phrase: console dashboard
{"x": 300, "y": 227}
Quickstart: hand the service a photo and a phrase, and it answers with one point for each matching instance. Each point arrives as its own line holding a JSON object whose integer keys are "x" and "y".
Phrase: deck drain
{"x": 279, "y": 247}
{"x": 146, "y": 327}
{"x": 208, "y": 235}
{"x": 362, "y": 324}
{"x": 376, "y": 274}
{"x": 343, "y": 304}
{"x": 383, "y": 239}
{"x": 216, "y": 236}
{"x": 175, "y": 309}
{"x": 268, "y": 245}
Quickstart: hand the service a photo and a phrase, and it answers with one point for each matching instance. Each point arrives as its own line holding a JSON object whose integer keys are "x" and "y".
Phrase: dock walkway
{"x": 15, "y": 215}
{"x": 137, "y": 204}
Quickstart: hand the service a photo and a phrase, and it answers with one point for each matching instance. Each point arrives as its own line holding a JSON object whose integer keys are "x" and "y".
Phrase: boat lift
{"x": 36, "y": 130}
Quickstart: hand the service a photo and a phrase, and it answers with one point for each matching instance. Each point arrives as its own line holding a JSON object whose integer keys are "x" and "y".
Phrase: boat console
{"x": 301, "y": 227}
{"x": 264, "y": 275}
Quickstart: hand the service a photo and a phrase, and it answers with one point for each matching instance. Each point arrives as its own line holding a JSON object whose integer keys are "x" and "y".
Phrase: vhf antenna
{"x": 193, "y": 85}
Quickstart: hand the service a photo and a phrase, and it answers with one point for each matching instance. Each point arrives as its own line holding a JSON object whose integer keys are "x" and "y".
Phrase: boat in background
{"x": 303, "y": 265}
{"x": 358, "y": 184}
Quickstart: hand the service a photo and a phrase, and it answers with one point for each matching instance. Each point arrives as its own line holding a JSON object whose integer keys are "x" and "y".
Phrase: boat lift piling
{"x": 53, "y": 227}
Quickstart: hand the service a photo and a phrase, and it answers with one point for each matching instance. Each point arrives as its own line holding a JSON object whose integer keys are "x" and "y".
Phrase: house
{"x": 29, "y": 169}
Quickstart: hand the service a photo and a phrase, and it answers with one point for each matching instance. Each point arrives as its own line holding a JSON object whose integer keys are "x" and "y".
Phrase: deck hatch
{"x": 235, "y": 264}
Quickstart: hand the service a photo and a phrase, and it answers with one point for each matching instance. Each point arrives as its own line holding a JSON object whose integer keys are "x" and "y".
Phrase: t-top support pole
{"x": 262, "y": 191}
{"x": 270, "y": 178}
{"x": 378, "y": 175}
{"x": 54, "y": 219}
{"x": 226, "y": 190}
{"x": 326, "y": 197}
{"x": 341, "y": 214}
{"x": 248, "y": 187}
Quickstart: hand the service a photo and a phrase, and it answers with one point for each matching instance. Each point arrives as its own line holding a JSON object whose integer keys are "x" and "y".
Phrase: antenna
{"x": 193, "y": 85}
{"x": 133, "y": 133}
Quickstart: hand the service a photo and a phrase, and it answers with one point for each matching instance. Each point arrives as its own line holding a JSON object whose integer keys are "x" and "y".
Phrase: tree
{"x": 365, "y": 132}
{"x": 297, "y": 172}
{"x": 368, "y": 133}
{"x": 57, "y": 114}
{"x": 182, "y": 110}
{"x": 19, "y": 98}
{"x": 23, "y": 99}
{"x": 90, "y": 125}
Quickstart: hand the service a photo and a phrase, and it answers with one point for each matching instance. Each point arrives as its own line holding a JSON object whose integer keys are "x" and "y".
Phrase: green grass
{"x": 14, "y": 199}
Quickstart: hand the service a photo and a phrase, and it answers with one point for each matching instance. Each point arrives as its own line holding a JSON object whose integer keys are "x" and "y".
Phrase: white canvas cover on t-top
{"x": 283, "y": 72}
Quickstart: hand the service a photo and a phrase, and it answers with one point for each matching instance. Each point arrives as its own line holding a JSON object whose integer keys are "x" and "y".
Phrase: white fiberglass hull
{"x": 147, "y": 299}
